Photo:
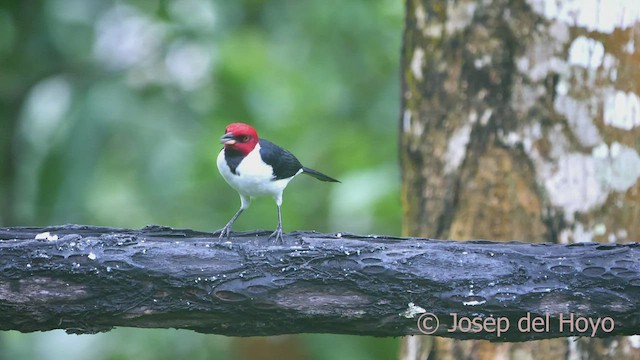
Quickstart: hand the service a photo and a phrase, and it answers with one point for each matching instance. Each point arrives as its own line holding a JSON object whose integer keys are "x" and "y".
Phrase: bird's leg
{"x": 226, "y": 230}
{"x": 278, "y": 233}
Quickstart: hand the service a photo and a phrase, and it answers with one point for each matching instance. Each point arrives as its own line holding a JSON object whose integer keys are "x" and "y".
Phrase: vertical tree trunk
{"x": 520, "y": 120}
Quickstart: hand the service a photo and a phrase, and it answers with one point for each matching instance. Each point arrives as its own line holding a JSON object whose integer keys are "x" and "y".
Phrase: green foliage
{"x": 110, "y": 113}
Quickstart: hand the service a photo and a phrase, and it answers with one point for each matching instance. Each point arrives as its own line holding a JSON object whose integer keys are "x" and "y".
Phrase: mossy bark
{"x": 88, "y": 279}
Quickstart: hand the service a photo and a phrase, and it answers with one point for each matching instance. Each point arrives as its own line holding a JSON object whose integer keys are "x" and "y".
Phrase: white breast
{"x": 253, "y": 176}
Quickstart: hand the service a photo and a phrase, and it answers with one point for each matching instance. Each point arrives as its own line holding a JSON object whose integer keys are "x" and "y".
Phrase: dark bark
{"x": 91, "y": 279}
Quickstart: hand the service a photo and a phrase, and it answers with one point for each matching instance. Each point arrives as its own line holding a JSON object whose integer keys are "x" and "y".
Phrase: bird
{"x": 257, "y": 167}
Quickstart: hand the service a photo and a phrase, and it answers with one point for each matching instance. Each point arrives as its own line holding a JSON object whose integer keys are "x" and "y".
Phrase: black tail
{"x": 318, "y": 175}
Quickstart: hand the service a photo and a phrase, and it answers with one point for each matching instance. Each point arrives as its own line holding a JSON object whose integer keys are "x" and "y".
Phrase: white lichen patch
{"x": 416, "y": 128}
{"x": 617, "y": 166}
{"x": 421, "y": 17}
{"x": 412, "y": 311}
{"x": 564, "y": 236}
{"x": 620, "y": 235}
{"x": 525, "y": 96}
{"x": 46, "y": 236}
{"x": 92, "y": 256}
{"x": 630, "y": 47}
{"x": 601, "y": 151}
{"x": 580, "y": 116}
{"x": 610, "y": 65}
{"x": 621, "y": 109}
{"x": 511, "y": 139}
{"x": 457, "y": 148}
{"x": 486, "y": 116}
{"x": 473, "y": 303}
{"x": 574, "y": 185}
{"x": 600, "y": 229}
{"x": 537, "y": 68}
{"x": 529, "y": 135}
{"x": 406, "y": 120}
{"x": 559, "y": 142}
{"x": 459, "y": 15}
{"x": 482, "y": 61}
{"x": 579, "y": 182}
{"x": 585, "y": 52}
{"x": 417, "y": 61}
{"x": 592, "y": 15}
{"x": 582, "y": 235}
{"x": 545, "y": 53}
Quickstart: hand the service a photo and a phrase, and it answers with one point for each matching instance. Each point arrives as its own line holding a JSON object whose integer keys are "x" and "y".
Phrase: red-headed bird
{"x": 257, "y": 167}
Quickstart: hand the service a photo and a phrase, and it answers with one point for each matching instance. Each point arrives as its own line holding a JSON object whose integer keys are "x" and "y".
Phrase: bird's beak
{"x": 227, "y": 139}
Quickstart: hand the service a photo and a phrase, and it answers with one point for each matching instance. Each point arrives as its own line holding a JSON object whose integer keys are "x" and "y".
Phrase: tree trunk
{"x": 520, "y": 120}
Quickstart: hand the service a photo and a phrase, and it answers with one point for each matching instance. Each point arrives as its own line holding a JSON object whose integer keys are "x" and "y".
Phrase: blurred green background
{"x": 110, "y": 114}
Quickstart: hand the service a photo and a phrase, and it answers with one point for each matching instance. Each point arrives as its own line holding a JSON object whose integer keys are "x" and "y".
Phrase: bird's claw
{"x": 278, "y": 236}
{"x": 225, "y": 232}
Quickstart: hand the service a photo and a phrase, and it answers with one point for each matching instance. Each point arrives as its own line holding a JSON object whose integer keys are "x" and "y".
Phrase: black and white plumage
{"x": 257, "y": 167}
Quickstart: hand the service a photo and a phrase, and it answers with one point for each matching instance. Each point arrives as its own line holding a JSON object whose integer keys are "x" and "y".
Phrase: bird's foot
{"x": 278, "y": 236}
{"x": 225, "y": 232}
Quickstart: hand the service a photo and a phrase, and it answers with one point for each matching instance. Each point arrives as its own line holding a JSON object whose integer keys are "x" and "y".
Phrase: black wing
{"x": 284, "y": 164}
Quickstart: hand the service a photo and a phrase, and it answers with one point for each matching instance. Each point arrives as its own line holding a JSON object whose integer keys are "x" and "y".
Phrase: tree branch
{"x": 87, "y": 279}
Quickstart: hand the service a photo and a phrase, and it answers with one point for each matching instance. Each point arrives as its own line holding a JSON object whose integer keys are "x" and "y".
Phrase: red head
{"x": 240, "y": 137}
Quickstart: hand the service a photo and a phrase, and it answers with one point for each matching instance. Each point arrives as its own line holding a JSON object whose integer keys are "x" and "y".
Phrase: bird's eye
{"x": 244, "y": 138}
